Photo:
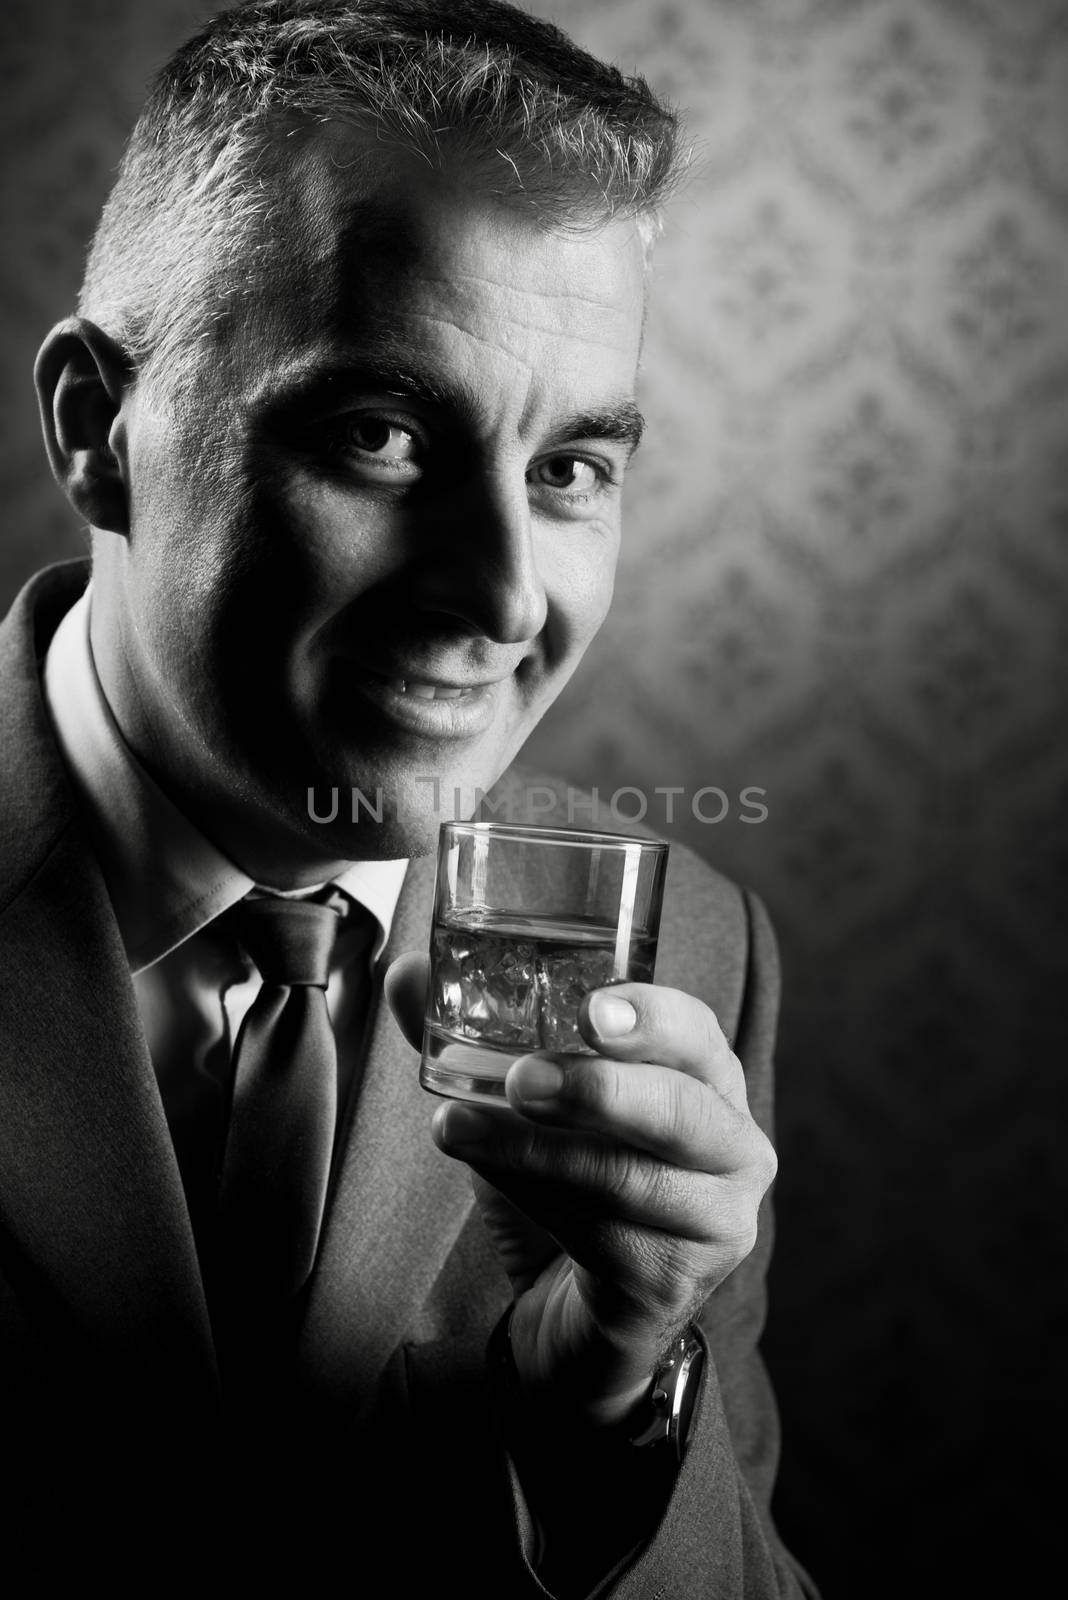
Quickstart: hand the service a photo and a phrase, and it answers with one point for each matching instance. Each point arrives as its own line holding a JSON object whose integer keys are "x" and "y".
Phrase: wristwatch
{"x": 672, "y": 1397}
{"x": 664, "y": 1423}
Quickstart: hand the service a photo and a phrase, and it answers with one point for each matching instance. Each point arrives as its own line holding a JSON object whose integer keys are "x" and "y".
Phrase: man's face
{"x": 371, "y": 542}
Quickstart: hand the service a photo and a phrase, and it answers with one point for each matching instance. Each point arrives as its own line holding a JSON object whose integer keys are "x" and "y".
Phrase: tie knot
{"x": 289, "y": 940}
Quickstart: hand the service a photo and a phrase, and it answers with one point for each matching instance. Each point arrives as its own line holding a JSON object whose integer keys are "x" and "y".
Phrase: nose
{"x": 484, "y": 571}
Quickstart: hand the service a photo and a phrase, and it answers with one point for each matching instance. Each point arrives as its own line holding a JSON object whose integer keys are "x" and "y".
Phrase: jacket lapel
{"x": 398, "y": 1207}
{"x": 90, "y": 1193}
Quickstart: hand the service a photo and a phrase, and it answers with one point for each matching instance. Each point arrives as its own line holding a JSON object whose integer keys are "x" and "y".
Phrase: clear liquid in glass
{"x": 502, "y": 985}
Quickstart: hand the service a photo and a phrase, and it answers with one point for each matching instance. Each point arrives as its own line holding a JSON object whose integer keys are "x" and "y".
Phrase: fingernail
{"x": 611, "y": 1016}
{"x": 536, "y": 1079}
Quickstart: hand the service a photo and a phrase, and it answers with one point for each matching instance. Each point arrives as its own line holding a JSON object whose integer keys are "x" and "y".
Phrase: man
{"x": 347, "y": 405}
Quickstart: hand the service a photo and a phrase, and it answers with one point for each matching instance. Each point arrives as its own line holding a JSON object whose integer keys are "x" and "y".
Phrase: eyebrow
{"x": 333, "y": 386}
{"x": 622, "y": 424}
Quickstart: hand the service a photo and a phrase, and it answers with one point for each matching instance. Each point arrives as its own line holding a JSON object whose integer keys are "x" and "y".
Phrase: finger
{"x": 649, "y": 1022}
{"x": 525, "y": 1249}
{"x": 657, "y": 1109}
{"x": 405, "y": 986}
{"x": 560, "y": 1178}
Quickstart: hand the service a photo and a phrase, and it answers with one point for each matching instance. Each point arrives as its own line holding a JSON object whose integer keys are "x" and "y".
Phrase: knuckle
{"x": 621, "y": 1098}
{"x": 712, "y": 1038}
{"x": 675, "y": 1012}
{"x": 765, "y": 1163}
{"x": 746, "y": 1238}
{"x": 667, "y": 1103}
{"x": 658, "y": 1009}
{"x": 613, "y": 1172}
{"x": 591, "y": 1090}
{"x": 736, "y": 1078}
{"x": 730, "y": 1219}
{"x": 677, "y": 1111}
{"x": 539, "y": 1154}
{"x": 667, "y": 1189}
{"x": 636, "y": 1183}
{"x": 755, "y": 1157}
{"x": 739, "y": 1230}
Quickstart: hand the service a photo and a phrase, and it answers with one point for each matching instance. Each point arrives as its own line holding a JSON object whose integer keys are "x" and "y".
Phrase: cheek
{"x": 584, "y": 582}
{"x": 324, "y": 548}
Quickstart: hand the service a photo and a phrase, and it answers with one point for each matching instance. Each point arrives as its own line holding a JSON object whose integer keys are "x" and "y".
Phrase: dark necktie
{"x": 276, "y": 1162}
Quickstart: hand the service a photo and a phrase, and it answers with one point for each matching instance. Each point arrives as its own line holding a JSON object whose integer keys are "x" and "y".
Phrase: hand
{"x": 621, "y": 1189}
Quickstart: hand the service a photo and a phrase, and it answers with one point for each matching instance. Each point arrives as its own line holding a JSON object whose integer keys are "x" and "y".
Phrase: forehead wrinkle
{"x": 484, "y": 280}
{"x": 497, "y": 340}
{"x": 519, "y": 307}
{"x": 614, "y": 418}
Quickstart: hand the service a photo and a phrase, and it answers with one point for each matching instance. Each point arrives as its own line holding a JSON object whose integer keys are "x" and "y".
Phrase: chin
{"x": 369, "y": 837}
{"x": 398, "y": 812}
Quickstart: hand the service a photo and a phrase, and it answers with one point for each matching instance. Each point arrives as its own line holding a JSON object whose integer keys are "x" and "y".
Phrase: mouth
{"x": 424, "y": 690}
{"x": 435, "y": 707}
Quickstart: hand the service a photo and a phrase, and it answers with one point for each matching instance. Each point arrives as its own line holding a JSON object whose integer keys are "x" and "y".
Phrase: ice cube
{"x": 497, "y": 998}
{"x": 565, "y": 975}
{"x": 450, "y": 950}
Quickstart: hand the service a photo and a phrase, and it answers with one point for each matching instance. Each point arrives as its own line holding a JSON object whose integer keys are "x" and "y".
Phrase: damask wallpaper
{"x": 844, "y": 586}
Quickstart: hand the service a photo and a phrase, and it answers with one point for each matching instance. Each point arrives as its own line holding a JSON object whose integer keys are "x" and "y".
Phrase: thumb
{"x": 404, "y": 987}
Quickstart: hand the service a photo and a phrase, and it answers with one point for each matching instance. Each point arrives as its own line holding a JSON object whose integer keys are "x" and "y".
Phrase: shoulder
{"x": 36, "y": 804}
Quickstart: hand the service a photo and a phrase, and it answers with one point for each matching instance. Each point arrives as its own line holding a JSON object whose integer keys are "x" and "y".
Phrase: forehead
{"x": 393, "y": 265}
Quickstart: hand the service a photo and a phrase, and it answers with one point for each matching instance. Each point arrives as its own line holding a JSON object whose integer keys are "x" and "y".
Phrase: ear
{"x": 82, "y": 379}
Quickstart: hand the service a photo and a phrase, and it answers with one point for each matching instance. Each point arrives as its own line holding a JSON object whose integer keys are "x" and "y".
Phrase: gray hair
{"x": 473, "y": 83}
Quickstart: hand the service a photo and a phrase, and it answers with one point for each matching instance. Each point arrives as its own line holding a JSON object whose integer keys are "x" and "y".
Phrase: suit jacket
{"x": 112, "y": 1426}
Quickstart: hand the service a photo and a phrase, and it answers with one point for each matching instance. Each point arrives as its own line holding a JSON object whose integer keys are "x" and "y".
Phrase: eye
{"x": 376, "y": 448}
{"x": 387, "y": 441}
{"x": 570, "y": 474}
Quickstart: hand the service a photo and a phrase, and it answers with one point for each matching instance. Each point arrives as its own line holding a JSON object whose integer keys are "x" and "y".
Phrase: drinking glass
{"x": 526, "y": 922}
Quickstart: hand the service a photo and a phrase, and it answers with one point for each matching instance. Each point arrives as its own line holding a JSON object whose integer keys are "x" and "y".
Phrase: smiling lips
{"x": 431, "y": 691}
{"x": 431, "y": 707}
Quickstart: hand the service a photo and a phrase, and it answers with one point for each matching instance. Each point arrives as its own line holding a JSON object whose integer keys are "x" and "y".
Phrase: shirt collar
{"x": 165, "y": 879}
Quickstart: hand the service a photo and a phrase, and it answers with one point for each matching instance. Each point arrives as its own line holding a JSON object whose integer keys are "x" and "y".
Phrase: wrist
{"x": 592, "y": 1498}
{"x": 654, "y": 1409}
{"x": 596, "y": 1386}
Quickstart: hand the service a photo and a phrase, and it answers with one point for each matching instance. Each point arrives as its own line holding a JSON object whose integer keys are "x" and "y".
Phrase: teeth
{"x": 425, "y": 691}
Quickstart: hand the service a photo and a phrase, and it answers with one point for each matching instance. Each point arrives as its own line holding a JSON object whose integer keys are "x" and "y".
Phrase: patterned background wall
{"x": 845, "y": 583}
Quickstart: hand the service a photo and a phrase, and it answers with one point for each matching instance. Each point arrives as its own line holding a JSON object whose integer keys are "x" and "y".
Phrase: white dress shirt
{"x": 168, "y": 884}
